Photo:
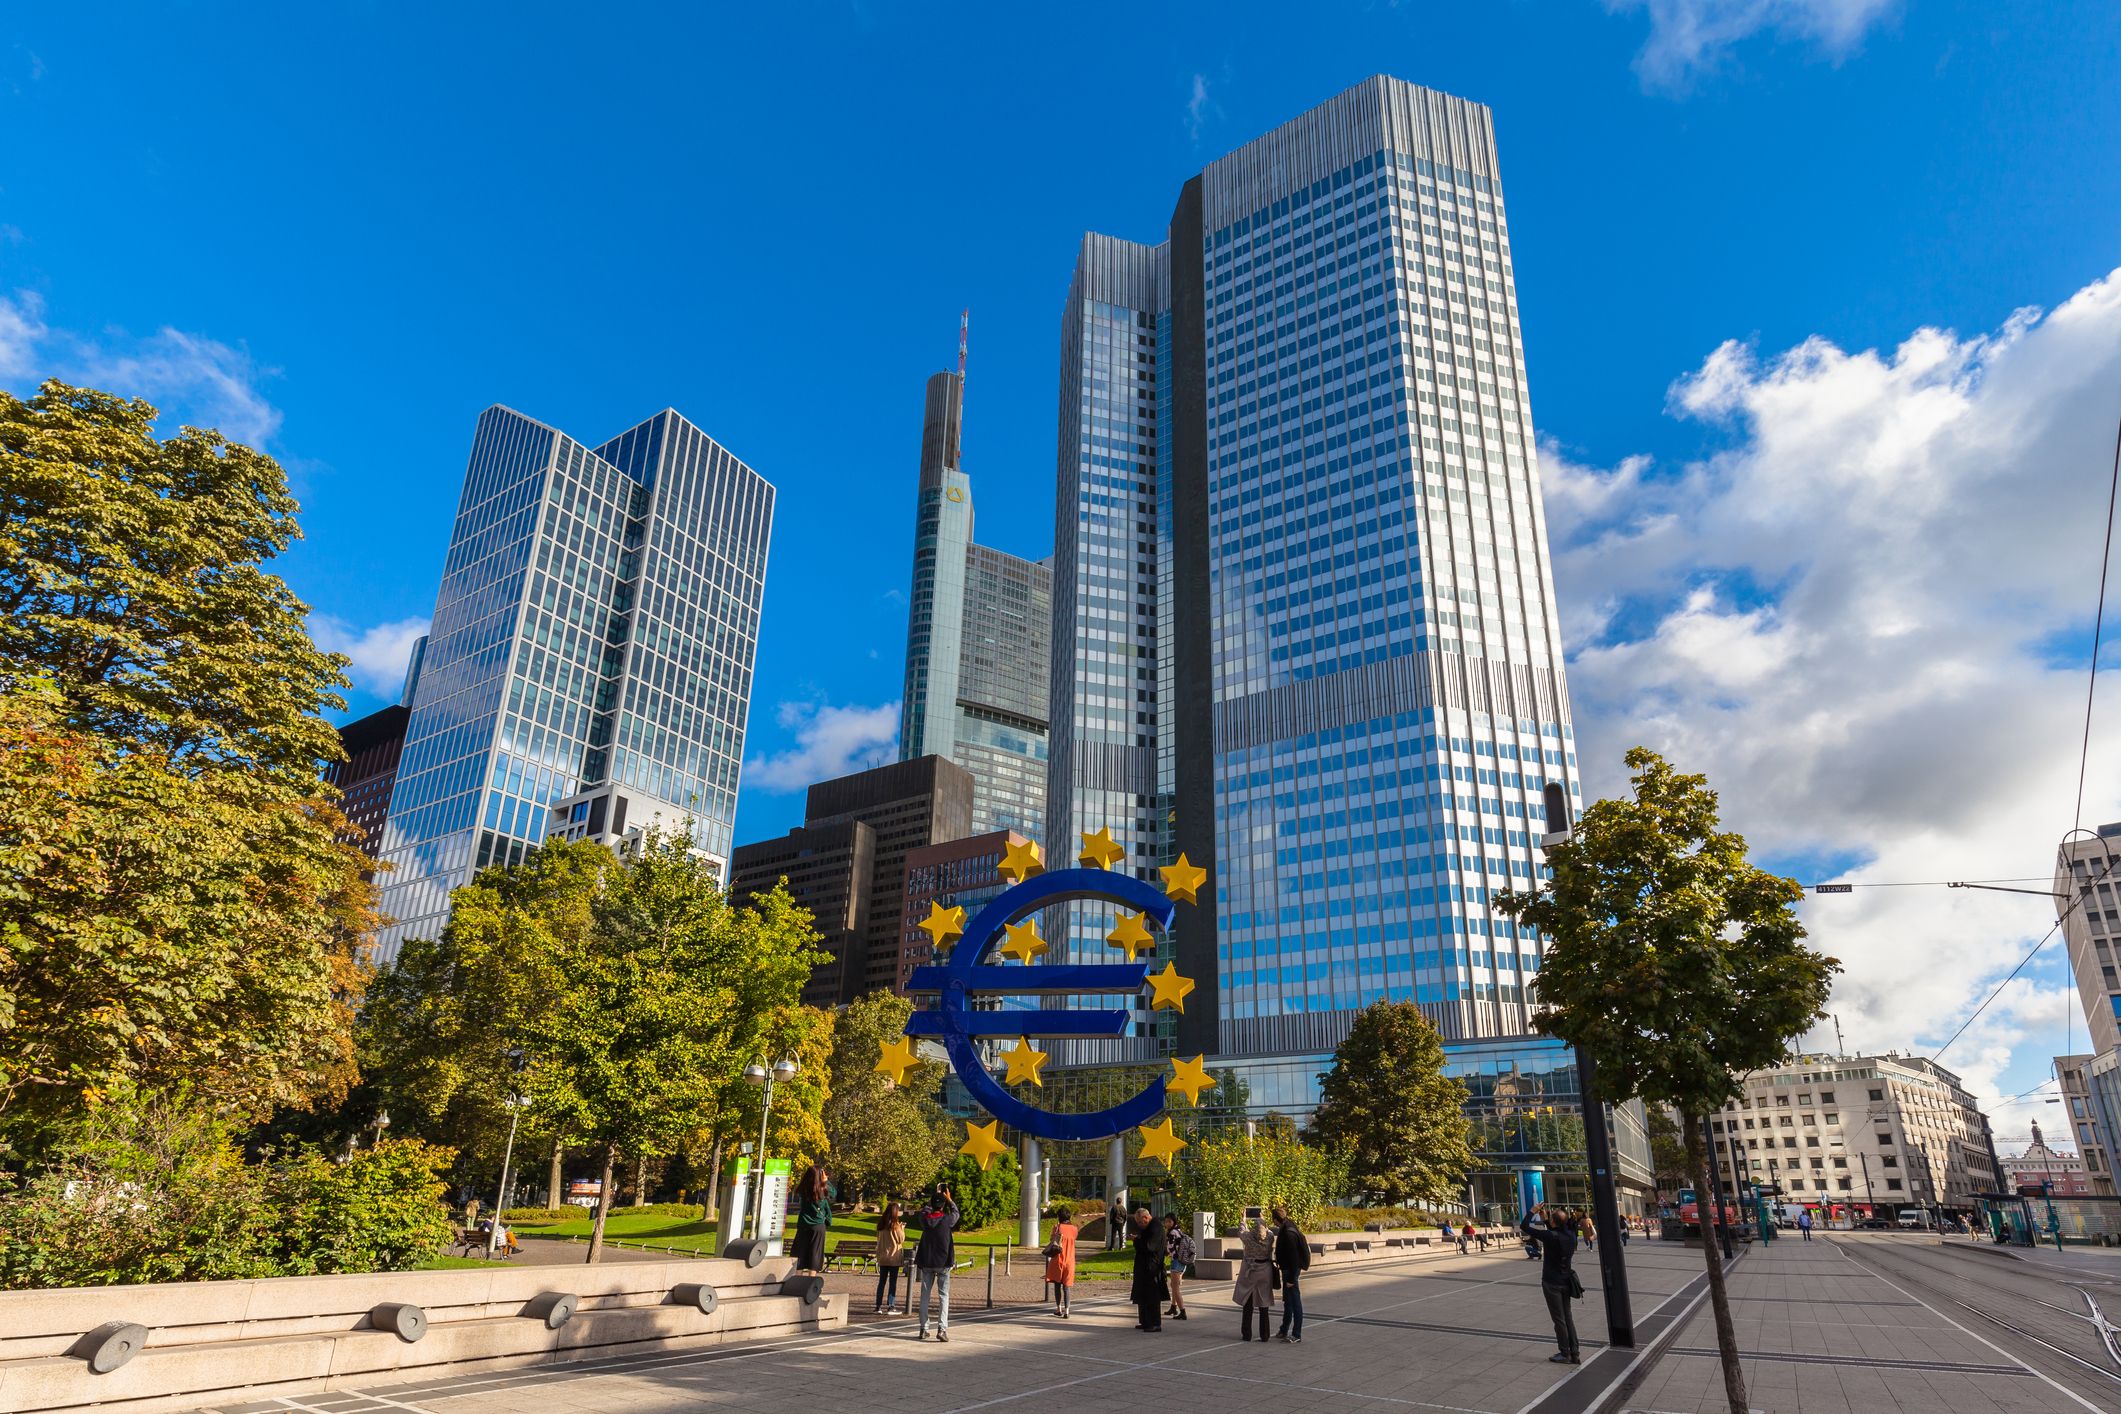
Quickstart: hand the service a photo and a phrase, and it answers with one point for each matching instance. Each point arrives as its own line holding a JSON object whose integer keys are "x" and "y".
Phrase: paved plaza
{"x": 1823, "y": 1334}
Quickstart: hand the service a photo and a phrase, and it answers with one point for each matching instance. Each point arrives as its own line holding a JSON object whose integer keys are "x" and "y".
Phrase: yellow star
{"x": 1024, "y": 943}
{"x": 1189, "y": 1078}
{"x": 1182, "y": 878}
{"x": 1021, "y": 860}
{"x": 1170, "y": 988}
{"x": 943, "y": 924}
{"x": 895, "y": 1058}
{"x": 1023, "y": 1063}
{"x": 981, "y": 1143}
{"x": 1100, "y": 851}
{"x": 1131, "y": 933}
{"x": 1160, "y": 1143}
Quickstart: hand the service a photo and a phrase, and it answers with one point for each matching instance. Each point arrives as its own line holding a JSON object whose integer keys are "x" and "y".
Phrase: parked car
{"x": 1874, "y": 1224}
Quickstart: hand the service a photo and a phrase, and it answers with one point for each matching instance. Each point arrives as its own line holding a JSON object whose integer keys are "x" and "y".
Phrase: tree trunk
{"x": 1712, "y": 1254}
{"x": 553, "y": 1196}
{"x": 640, "y": 1181}
{"x": 596, "y": 1229}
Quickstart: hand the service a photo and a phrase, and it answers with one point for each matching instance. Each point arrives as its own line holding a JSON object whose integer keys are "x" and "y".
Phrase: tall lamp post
{"x": 784, "y": 1070}
{"x": 515, "y": 1112}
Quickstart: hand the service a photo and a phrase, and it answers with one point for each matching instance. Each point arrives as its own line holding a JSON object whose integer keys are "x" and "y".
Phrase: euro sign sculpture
{"x": 967, "y": 974}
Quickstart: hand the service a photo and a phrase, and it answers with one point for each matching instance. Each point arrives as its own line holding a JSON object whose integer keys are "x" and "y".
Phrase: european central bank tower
{"x": 1304, "y": 625}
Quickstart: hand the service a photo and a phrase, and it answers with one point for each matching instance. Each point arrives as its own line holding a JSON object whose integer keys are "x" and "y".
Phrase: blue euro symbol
{"x": 955, "y": 982}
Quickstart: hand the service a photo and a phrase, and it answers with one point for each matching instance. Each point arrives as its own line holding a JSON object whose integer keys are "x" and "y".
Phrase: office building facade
{"x": 1863, "y": 1134}
{"x": 590, "y": 656}
{"x": 2088, "y": 899}
{"x": 2073, "y": 1078}
{"x": 369, "y": 773}
{"x": 831, "y": 871}
{"x": 1304, "y": 626}
{"x": 901, "y": 808}
{"x": 977, "y": 629}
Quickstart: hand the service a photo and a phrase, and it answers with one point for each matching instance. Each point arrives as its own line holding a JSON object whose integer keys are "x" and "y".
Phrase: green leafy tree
{"x": 885, "y": 1136}
{"x": 377, "y": 1209}
{"x": 984, "y": 1196}
{"x": 175, "y": 900}
{"x": 131, "y": 574}
{"x": 1674, "y": 963}
{"x": 629, "y": 990}
{"x": 1230, "y": 1172}
{"x": 1668, "y": 1163}
{"x": 160, "y": 925}
{"x": 1391, "y": 1114}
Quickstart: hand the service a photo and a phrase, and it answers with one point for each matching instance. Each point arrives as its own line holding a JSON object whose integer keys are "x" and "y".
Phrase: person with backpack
{"x": 1060, "y": 1263}
{"x": 1115, "y": 1226}
{"x": 813, "y": 1219}
{"x": 890, "y": 1256}
{"x": 1180, "y": 1244}
{"x": 1292, "y": 1258}
{"x": 1555, "y": 1236}
{"x": 934, "y": 1258}
{"x": 1255, "y": 1278}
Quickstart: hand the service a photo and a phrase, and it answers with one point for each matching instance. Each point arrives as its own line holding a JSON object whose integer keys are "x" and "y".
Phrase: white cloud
{"x": 1199, "y": 107}
{"x": 1849, "y": 619}
{"x": 379, "y": 653}
{"x": 194, "y": 380}
{"x": 829, "y": 742}
{"x": 1691, "y": 37}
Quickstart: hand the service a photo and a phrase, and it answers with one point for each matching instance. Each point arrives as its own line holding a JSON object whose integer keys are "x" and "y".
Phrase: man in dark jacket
{"x": 935, "y": 1256}
{"x": 1150, "y": 1290}
{"x": 1115, "y": 1226}
{"x": 1292, "y": 1258}
{"x": 1556, "y": 1240}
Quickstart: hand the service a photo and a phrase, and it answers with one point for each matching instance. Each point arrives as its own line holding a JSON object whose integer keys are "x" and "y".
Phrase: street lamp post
{"x": 784, "y": 1070}
{"x": 515, "y": 1113}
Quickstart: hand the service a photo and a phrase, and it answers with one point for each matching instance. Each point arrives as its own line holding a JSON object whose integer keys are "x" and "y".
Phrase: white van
{"x": 1915, "y": 1218}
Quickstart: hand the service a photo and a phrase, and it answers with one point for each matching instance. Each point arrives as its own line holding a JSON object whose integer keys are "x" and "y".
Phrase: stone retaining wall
{"x": 208, "y": 1342}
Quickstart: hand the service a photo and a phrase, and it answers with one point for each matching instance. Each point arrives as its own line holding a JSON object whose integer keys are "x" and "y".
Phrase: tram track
{"x": 2078, "y": 1346}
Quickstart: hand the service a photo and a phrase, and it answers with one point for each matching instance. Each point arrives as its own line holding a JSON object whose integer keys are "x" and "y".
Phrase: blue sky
{"x": 345, "y": 232}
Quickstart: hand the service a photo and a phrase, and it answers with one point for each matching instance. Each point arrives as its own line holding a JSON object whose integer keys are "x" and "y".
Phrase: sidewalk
{"x": 1823, "y": 1334}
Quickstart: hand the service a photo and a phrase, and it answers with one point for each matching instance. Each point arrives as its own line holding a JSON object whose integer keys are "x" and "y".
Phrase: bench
{"x": 855, "y": 1253}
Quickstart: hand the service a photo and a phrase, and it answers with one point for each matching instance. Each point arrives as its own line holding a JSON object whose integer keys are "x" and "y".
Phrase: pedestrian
{"x": 890, "y": 1256}
{"x": 1292, "y": 1258}
{"x": 1255, "y": 1278}
{"x": 1465, "y": 1237}
{"x": 813, "y": 1219}
{"x": 935, "y": 1256}
{"x": 1804, "y": 1224}
{"x": 1531, "y": 1245}
{"x": 1585, "y": 1231}
{"x": 1480, "y": 1235}
{"x": 1150, "y": 1290}
{"x": 1060, "y": 1263}
{"x": 1555, "y": 1237}
{"x": 1180, "y": 1244}
{"x": 1446, "y": 1226}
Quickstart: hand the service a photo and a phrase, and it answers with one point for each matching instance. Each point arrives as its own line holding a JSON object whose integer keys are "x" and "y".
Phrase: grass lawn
{"x": 452, "y": 1264}
{"x": 660, "y": 1230}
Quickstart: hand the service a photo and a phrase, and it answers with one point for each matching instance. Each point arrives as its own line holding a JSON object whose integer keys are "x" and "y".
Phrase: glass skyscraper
{"x": 1304, "y": 625}
{"x": 588, "y": 671}
{"x": 977, "y": 625}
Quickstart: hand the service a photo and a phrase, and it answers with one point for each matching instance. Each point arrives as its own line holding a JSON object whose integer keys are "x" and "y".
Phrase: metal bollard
{"x": 1008, "y": 1255}
{"x": 990, "y": 1278}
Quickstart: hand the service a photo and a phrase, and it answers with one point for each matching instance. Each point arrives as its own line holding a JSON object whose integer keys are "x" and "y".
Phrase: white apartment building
{"x": 2072, "y": 1072}
{"x": 2089, "y": 869}
{"x": 1873, "y": 1133}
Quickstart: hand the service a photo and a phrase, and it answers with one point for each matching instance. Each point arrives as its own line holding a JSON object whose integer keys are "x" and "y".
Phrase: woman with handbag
{"x": 890, "y": 1257}
{"x": 1060, "y": 1263}
{"x": 1558, "y": 1282}
{"x": 1255, "y": 1278}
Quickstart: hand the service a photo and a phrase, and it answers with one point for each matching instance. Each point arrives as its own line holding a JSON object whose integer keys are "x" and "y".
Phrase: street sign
{"x": 1832, "y": 888}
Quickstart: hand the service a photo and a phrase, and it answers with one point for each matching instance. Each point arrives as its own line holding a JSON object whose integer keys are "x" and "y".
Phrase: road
{"x": 2052, "y": 1316}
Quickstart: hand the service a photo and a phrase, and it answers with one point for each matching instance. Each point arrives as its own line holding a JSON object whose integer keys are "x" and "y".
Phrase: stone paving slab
{"x": 1821, "y": 1335}
{"x": 1459, "y": 1335}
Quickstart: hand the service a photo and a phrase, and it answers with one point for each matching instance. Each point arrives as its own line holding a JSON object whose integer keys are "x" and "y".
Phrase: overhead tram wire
{"x": 2084, "y": 890}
